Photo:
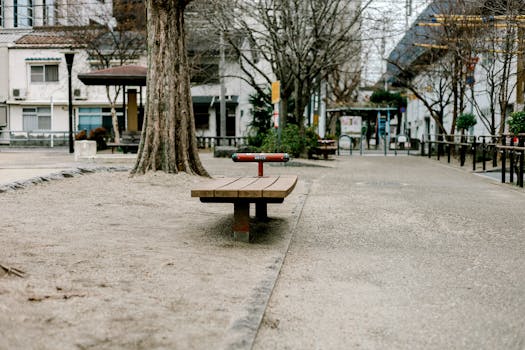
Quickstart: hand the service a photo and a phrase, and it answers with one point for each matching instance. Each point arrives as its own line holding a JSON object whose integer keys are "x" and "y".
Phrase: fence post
{"x": 520, "y": 169}
{"x": 483, "y": 153}
{"x": 429, "y": 146}
{"x": 503, "y": 160}
{"x": 511, "y": 160}
{"x": 474, "y": 149}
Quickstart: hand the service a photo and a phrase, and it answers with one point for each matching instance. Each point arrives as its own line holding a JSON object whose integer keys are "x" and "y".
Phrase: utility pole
{"x": 222, "y": 73}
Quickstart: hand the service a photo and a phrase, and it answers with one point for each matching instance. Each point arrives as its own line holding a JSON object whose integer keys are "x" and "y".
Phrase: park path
{"x": 402, "y": 253}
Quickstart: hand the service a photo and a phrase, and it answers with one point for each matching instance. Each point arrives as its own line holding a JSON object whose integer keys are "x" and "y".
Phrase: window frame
{"x": 1, "y": 13}
{"x": 44, "y": 74}
{"x": 40, "y": 114}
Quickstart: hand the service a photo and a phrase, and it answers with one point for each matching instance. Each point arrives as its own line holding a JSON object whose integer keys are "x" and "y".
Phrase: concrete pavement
{"x": 18, "y": 165}
{"x": 402, "y": 253}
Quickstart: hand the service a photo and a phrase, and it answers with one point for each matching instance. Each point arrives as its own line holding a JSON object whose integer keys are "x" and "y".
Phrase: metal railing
{"x": 205, "y": 142}
{"x": 483, "y": 148}
{"x": 512, "y": 148}
{"x": 34, "y": 138}
{"x": 357, "y": 143}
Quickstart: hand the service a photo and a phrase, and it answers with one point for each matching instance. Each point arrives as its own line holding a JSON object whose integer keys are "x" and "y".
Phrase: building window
{"x": 89, "y": 118}
{"x": 48, "y": 12}
{"x": 205, "y": 74}
{"x": 22, "y": 13}
{"x": 96, "y": 117}
{"x": 36, "y": 118}
{"x": 44, "y": 73}
{"x": 1, "y": 13}
{"x": 202, "y": 116}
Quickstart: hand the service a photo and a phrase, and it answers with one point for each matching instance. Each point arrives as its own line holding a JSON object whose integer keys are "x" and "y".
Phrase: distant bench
{"x": 129, "y": 142}
{"x": 324, "y": 148}
{"x": 241, "y": 191}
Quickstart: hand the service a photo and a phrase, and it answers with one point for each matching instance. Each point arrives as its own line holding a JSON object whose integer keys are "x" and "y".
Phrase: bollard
{"x": 474, "y": 149}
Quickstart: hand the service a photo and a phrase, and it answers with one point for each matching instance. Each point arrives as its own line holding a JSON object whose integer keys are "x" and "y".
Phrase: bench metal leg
{"x": 261, "y": 210}
{"x": 241, "y": 221}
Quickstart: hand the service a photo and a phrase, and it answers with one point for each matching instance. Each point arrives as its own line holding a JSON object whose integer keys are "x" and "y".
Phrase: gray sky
{"x": 384, "y": 25}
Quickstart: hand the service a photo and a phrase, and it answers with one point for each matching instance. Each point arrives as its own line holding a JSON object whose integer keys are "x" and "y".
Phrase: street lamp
{"x": 69, "y": 61}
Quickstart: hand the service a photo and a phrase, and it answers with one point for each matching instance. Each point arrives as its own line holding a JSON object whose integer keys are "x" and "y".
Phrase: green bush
{"x": 465, "y": 121}
{"x": 291, "y": 141}
{"x": 517, "y": 122}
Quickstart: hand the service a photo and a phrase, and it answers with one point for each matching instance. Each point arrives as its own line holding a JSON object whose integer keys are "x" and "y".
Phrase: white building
{"x": 422, "y": 61}
{"x": 34, "y": 77}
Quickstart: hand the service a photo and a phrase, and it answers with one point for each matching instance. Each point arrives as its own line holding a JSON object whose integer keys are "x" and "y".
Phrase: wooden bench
{"x": 242, "y": 191}
{"x": 324, "y": 148}
{"x": 129, "y": 142}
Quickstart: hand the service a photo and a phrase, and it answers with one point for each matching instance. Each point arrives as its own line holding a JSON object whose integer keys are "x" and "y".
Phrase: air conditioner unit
{"x": 79, "y": 94}
{"x": 18, "y": 94}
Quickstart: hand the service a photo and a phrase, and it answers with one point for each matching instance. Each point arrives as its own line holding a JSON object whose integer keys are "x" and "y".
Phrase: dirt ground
{"x": 366, "y": 253}
{"x": 119, "y": 262}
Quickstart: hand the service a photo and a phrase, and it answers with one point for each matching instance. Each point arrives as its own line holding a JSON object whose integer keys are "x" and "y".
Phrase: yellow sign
{"x": 276, "y": 92}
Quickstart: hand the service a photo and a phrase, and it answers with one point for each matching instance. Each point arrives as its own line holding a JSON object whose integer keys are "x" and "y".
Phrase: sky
{"x": 384, "y": 24}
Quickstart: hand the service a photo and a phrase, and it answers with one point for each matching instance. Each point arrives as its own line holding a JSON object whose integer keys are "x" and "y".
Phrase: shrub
{"x": 465, "y": 121}
{"x": 99, "y": 135}
{"x": 81, "y": 135}
{"x": 291, "y": 141}
{"x": 517, "y": 122}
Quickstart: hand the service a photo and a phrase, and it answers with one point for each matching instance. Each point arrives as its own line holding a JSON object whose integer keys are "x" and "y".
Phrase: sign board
{"x": 351, "y": 125}
{"x": 276, "y": 92}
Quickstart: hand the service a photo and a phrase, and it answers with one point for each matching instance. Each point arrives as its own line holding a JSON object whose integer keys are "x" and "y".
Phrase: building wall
{"x": 4, "y": 73}
{"x": 57, "y": 12}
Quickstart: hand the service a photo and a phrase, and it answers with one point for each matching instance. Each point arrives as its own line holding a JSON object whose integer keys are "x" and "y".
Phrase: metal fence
{"x": 15, "y": 138}
{"x": 508, "y": 149}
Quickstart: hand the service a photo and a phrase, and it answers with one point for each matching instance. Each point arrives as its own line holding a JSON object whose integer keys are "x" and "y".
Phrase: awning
{"x": 116, "y": 76}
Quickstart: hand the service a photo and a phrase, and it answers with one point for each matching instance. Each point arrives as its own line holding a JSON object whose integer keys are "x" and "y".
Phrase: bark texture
{"x": 168, "y": 137}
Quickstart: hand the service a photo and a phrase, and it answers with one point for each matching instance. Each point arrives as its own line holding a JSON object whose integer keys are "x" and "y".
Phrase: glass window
{"x": 22, "y": 13}
{"x": 202, "y": 116}
{"x": 37, "y": 74}
{"x": 51, "y": 72}
{"x": 89, "y": 118}
{"x": 1, "y": 13}
{"x": 45, "y": 73}
{"x": 36, "y": 118}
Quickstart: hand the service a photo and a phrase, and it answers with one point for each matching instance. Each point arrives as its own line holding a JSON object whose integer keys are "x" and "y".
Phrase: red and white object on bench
{"x": 260, "y": 158}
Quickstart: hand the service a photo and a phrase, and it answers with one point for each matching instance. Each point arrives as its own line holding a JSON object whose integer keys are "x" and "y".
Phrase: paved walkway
{"x": 23, "y": 164}
{"x": 384, "y": 253}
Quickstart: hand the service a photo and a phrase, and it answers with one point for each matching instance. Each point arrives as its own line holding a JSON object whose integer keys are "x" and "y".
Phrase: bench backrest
{"x": 130, "y": 137}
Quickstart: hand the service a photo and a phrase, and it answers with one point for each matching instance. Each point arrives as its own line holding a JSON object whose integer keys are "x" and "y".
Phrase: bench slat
{"x": 232, "y": 189}
{"x": 281, "y": 188}
{"x": 255, "y": 189}
{"x": 207, "y": 189}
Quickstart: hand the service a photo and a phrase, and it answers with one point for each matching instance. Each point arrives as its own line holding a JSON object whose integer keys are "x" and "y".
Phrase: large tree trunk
{"x": 168, "y": 137}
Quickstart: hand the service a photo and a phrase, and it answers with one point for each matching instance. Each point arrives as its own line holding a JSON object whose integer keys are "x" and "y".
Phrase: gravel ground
{"x": 367, "y": 252}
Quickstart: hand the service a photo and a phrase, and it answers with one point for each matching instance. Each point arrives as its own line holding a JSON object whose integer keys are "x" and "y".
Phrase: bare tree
{"x": 502, "y": 45}
{"x": 304, "y": 41}
{"x": 168, "y": 140}
{"x": 445, "y": 45}
{"x": 113, "y": 42}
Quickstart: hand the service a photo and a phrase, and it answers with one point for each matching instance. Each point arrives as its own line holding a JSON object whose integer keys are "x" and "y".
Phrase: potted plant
{"x": 465, "y": 121}
{"x": 517, "y": 122}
